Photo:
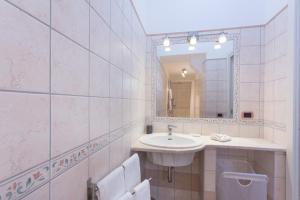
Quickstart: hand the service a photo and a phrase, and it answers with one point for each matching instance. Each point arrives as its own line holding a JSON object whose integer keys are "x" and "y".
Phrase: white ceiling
{"x": 169, "y": 16}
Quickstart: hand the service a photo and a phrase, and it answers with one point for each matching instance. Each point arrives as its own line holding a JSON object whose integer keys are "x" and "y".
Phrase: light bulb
{"x": 183, "y": 75}
{"x": 184, "y": 71}
{"x": 166, "y": 42}
{"x": 217, "y": 45}
{"x": 193, "y": 40}
{"x": 191, "y": 48}
{"x": 222, "y": 38}
{"x": 167, "y": 49}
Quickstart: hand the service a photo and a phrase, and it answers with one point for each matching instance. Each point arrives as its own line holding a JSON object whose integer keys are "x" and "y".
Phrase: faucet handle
{"x": 171, "y": 126}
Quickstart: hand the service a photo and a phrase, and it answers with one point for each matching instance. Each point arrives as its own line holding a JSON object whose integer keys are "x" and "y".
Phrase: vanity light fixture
{"x": 222, "y": 38}
{"x": 217, "y": 45}
{"x": 166, "y": 42}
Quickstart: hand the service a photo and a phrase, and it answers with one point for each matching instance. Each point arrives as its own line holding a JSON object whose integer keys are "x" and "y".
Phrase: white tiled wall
{"x": 275, "y": 78}
{"x": 72, "y": 93}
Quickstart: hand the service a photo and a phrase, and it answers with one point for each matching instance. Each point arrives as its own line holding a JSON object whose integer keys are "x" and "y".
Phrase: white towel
{"x": 112, "y": 187}
{"x": 132, "y": 172}
{"x": 170, "y": 99}
{"x": 126, "y": 196}
{"x": 142, "y": 191}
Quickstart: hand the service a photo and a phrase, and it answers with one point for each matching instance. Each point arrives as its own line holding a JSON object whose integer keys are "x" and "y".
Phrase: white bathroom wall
{"x": 71, "y": 94}
{"x": 276, "y": 79}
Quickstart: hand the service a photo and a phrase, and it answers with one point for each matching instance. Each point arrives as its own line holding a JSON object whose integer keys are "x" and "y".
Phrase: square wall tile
{"x": 250, "y": 73}
{"x": 102, "y": 7}
{"x": 69, "y": 123}
{"x": 115, "y": 117}
{"x": 40, "y": 194}
{"x": 116, "y": 51}
{"x": 127, "y": 111}
{"x": 24, "y": 122}
{"x": 251, "y": 36}
{"x": 39, "y": 9}
{"x": 72, "y": 184}
{"x": 99, "y": 36}
{"x": 127, "y": 86}
{"x": 99, "y": 117}
{"x": 117, "y": 19}
{"x": 99, "y": 77}
{"x": 116, "y": 153}
{"x": 249, "y": 131}
{"x": 250, "y": 55}
{"x": 70, "y": 67}
{"x": 24, "y": 58}
{"x": 192, "y": 128}
{"x": 210, "y": 129}
{"x": 116, "y": 82}
{"x": 249, "y": 91}
{"x": 228, "y": 129}
{"x": 72, "y": 19}
{"x": 99, "y": 164}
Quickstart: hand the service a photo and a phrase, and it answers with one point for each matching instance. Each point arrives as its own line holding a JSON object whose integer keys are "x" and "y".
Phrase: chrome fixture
{"x": 170, "y": 129}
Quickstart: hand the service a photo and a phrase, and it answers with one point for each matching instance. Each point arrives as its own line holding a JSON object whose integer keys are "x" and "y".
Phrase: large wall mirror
{"x": 196, "y": 81}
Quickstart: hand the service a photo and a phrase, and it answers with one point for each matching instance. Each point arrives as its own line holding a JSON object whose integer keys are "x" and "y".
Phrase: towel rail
{"x": 93, "y": 189}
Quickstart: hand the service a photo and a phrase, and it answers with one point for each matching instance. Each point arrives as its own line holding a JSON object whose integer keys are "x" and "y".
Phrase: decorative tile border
{"x": 116, "y": 135}
{"x": 20, "y": 186}
{"x": 68, "y": 160}
{"x": 98, "y": 143}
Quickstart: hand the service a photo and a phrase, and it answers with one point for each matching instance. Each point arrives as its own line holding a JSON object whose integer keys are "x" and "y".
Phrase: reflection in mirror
{"x": 196, "y": 83}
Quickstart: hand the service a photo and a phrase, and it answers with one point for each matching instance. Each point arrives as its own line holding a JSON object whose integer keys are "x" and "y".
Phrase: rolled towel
{"x": 221, "y": 137}
{"x": 132, "y": 172}
{"x": 112, "y": 186}
{"x": 142, "y": 191}
{"x": 126, "y": 196}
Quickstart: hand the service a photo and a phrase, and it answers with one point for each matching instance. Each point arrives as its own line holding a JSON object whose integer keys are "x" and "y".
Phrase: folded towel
{"x": 132, "y": 172}
{"x": 142, "y": 191}
{"x": 126, "y": 196}
{"x": 112, "y": 186}
{"x": 221, "y": 137}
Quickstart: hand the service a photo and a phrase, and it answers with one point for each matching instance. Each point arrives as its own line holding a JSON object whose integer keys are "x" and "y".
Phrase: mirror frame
{"x": 205, "y": 37}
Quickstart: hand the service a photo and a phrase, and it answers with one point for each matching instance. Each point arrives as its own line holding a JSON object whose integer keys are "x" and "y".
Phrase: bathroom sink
{"x": 176, "y": 141}
{"x": 179, "y": 142}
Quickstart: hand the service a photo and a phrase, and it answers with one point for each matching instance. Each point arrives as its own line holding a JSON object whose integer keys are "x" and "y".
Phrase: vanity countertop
{"x": 235, "y": 143}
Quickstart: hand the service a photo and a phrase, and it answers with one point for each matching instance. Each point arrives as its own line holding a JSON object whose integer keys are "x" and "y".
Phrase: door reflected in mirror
{"x": 195, "y": 83}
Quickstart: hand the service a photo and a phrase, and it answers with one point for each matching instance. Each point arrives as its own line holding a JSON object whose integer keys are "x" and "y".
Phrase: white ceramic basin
{"x": 178, "y": 142}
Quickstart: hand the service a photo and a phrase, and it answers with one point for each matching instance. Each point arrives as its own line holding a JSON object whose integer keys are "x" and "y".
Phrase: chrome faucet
{"x": 170, "y": 129}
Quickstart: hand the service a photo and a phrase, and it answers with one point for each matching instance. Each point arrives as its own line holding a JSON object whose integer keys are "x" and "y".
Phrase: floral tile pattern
{"x": 68, "y": 160}
{"x": 20, "y": 186}
{"x": 98, "y": 143}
